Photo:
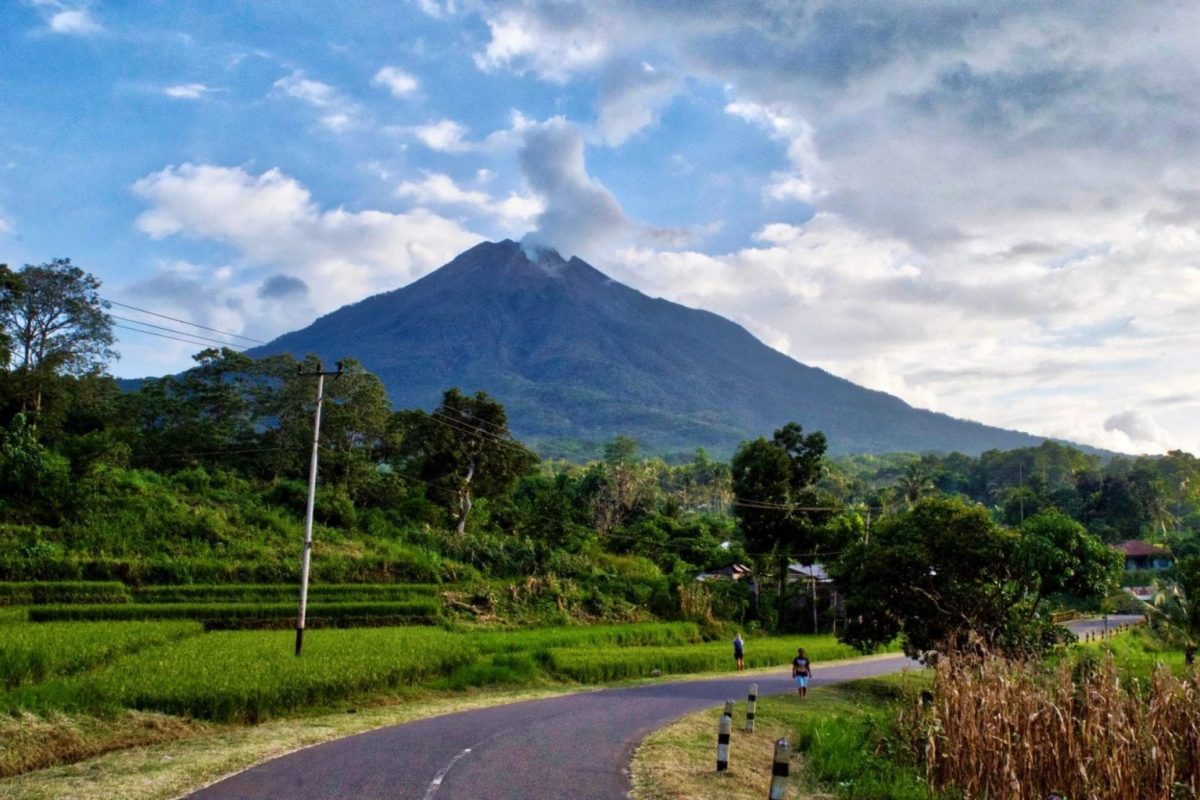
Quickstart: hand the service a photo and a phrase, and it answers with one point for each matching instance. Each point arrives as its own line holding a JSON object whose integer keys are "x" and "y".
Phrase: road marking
{"x": 436, "y": 783}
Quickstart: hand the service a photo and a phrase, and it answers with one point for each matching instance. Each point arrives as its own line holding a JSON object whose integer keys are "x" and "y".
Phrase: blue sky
{"x": 991, "y": 211}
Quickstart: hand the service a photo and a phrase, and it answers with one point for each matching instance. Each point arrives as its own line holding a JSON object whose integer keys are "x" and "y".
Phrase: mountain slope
{"x": 575, "y": 355}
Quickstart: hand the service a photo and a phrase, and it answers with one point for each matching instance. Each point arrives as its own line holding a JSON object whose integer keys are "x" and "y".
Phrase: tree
{"x": 940, "y": 574}
{"x": 54, "y": 322}
{"x": 1060, "y": 556}
{"x": 465, "y": 451}
{"x": 915, "y": 483}
{"x": 779, "y": 508}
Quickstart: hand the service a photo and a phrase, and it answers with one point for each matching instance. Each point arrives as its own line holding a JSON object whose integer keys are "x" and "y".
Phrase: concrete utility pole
{"x": 312, "y": 493}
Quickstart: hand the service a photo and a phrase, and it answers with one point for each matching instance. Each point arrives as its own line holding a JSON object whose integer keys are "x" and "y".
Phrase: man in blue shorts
{"x": 801, "y": 672}
{"x": 739, "y": 655}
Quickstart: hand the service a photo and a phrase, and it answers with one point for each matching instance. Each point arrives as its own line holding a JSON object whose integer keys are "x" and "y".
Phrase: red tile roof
{"x": 1133, "y": 547}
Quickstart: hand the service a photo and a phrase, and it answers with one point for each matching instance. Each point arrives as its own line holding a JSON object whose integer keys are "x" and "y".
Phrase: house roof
{"x": 815, "y": 571}
{"x": 1133, "y": 547}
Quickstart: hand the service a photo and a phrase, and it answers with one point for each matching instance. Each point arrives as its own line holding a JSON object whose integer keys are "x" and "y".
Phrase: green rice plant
{"x": 27, "y": 593}
{"x": 283, "y": 592}
{"x": 599, "y": 664}
{"x": 251, "y": 675}
{"x": 628, "y": 635}
{"x": 425, "y": 610}
{"x": 32, "y": 653}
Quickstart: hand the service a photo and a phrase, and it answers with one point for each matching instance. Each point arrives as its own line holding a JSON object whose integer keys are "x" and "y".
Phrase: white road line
{"x": 436, "y": 783}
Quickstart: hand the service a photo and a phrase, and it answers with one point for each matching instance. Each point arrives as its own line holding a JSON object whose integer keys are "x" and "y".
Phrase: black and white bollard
{"x": 751, "y": 706}
{"x": 779, "y": 770}
{"x": 729, "y": 708}
{"x": 723, "y": 728}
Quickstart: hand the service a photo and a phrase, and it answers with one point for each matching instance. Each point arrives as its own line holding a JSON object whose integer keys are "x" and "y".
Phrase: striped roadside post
{"x": 723, "y": 728}
{"x": 729, "y": 708}
{"x": 779, "y": 770}
{"x": 751, "y": 706}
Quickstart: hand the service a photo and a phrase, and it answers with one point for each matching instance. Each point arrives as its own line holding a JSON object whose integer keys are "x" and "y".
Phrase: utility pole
{"x": 319, "y": 374}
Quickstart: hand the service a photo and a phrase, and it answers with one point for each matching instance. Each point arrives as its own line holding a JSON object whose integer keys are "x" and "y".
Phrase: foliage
{"x": 53, "y": 322}
{"x": 465, "y": 451}
{"x": 945, "y": 574}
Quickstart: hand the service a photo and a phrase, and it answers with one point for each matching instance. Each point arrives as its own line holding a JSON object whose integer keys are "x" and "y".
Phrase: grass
{"x": 283, "y": 592}
{"x": 418, "y": 610}
{"x": 836, "y": 735}
{"x": 40, "y": 592}
{"x": 247, "y": 676}
{"x": 34, "y": 653}
{"x": 592, "y": 665}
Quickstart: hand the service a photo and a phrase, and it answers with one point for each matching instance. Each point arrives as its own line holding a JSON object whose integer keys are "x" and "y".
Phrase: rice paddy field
{"x": 159, "y": 652}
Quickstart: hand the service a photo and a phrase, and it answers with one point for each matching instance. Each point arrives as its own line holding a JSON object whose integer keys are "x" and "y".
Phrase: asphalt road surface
{"x": 576, "y": 746}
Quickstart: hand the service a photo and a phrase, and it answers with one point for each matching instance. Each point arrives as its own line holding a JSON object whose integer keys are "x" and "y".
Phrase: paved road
{"x": 576, "y": 746}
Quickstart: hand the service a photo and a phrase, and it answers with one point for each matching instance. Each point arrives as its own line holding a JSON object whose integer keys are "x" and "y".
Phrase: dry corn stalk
{"x": 1003, "y": 729}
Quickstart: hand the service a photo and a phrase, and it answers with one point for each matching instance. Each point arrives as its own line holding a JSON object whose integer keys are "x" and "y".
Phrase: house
{"x": 802, "y": 572}
{"x": 734, "y": 572}
{"x": 1139, "y": 555}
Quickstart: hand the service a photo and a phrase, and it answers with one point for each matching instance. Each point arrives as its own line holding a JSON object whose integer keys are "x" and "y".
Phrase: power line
{"x": 183, "y": 321}
{"x": 161, "y": 335}
{"x": 174, "y": 330}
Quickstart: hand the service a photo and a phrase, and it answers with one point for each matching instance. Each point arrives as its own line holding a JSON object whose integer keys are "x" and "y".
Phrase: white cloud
{"x": 396, "y": 81}
{"x": 74, "y": 22}
{"x": 1007, "y": 226}
{"x": 553, "y": 45}
{"x": 336, "y": 112}
{"x": 275, "y": 225}
{"x": 186, "y": 91}
{"x": 5, "y": 227}
{"x": 1140, "y": 428}
{"x": 445, "y": 136}
{"x": 438, "y": 189}
{"x": 632, "y": 95}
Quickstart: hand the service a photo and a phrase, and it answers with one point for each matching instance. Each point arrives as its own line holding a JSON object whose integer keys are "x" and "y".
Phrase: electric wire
{"x": 175, "y": 330}
{"x": 161, "y": 335}
{"x": 183, "y": 321}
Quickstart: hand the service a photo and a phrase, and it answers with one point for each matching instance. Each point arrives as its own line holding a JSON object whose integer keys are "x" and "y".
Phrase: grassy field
{"x": 839, "y": 739}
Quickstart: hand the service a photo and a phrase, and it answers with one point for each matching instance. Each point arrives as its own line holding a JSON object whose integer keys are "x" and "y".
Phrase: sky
{"x": 987, "y": 209}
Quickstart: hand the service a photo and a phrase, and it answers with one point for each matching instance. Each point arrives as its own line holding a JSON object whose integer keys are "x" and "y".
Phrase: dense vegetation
{"x": 199, "y": 478}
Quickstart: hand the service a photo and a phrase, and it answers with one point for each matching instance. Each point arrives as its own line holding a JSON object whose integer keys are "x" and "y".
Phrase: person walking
{"x": 739, "y": 654}
{"x": 801, "y": 672}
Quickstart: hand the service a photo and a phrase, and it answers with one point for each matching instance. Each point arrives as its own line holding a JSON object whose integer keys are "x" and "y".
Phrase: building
{"x": 1139, "y": 555}
{"x": 734, "y": 572}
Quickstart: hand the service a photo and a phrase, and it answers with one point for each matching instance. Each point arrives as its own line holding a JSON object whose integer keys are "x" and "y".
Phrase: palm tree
{"x": 1180, "y": 615}
{"x": 915, "y": 483}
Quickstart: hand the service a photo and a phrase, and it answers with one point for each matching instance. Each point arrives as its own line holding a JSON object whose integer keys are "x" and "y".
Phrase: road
{"x": 576, "y": 746}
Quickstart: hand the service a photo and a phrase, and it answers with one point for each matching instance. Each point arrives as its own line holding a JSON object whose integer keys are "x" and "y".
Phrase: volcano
{"x": 578, "y": 358}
